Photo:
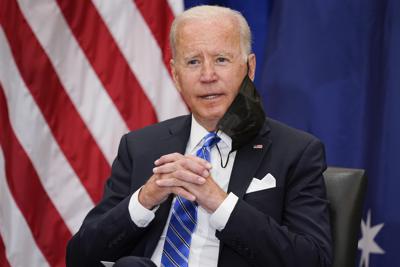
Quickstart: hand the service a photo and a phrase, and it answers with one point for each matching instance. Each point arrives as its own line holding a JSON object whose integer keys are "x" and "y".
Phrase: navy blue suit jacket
{"x": 283, "y": 226}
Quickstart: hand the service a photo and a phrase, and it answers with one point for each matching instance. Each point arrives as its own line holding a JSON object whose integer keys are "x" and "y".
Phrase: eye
{"x": 193, "y": 62}
{"x": 222, "y": 60}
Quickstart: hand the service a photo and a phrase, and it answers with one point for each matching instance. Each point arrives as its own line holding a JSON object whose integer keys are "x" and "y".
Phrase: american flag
{"x": 75, "y": 75}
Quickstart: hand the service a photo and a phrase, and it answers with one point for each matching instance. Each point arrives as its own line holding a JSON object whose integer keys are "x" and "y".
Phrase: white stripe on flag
{"x": 144, "y": 56}
{"x": 76, "y": 74}
{"x": 176, "y": 6}
{"x": 14, "y": 230}
{"x": 57, "y": 177}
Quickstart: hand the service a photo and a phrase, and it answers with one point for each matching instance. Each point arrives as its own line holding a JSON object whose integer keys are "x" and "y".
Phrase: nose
{"x": 208, "y": 73}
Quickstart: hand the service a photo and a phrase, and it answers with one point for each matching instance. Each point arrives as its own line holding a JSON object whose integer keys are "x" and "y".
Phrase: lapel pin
{"x": 258, "y": 146}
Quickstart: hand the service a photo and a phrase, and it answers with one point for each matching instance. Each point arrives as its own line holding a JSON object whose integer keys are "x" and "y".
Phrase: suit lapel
{"x": 247, "y": 161}
{"x": 176, "y": 138}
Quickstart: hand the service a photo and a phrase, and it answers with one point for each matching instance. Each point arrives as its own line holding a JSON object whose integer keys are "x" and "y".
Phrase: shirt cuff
{"x": 139, "y": 214}
{"x": 221, "y": 215}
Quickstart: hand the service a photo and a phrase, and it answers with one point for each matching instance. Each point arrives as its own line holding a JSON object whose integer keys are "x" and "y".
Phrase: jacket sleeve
{"x": 108, "y": 232}
{"x": 303, "y": 237}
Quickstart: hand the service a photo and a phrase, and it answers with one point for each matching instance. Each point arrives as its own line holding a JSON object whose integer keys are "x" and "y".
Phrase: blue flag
{"x": 332, "y": 68}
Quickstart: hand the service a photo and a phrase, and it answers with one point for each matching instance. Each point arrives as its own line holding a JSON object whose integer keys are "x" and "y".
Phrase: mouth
{"x": 210, "y": 96}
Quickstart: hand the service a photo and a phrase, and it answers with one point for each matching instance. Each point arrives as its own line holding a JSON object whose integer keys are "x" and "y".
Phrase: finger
{"x": 169, "y": 182}
{"x": 180, "y": 177}
{"x": 168, "y": 158}
{"x": 179, "y": 191}
{"x": 192, "y": 169}
{"x": 165, "y": 168}
{"x": 194, "y": 166}
{"x": 172, "y": 182}
{"x": 189, "y": 177}
{"x": 201, "y": 161}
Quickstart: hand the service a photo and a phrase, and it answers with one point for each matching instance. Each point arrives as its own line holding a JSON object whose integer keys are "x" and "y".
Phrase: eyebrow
{"x": 197, "y": 55}
{"x": 227, "y": 54}
{"x": 190, "y": 57}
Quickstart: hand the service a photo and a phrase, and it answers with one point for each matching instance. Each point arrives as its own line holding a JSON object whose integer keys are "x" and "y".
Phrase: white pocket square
{"x": 107, "y": 263}
{"x": 265, "y": 183}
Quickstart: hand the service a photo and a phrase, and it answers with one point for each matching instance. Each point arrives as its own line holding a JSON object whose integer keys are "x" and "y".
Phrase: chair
{"x": 345, "y": 191}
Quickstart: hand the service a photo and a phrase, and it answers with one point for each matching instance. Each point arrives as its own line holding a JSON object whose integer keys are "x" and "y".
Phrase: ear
{"x": 174, "y": 74}
{"x": 252, "y": 66}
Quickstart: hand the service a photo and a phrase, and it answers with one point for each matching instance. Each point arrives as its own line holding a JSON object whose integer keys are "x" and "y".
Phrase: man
{"x": 257, "y": 203}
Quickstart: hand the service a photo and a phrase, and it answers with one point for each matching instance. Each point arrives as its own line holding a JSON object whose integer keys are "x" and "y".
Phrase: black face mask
{"x": 244, "y": 117}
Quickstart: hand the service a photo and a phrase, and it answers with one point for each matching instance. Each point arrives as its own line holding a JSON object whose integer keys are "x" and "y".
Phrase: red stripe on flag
{"x": 48, "y": 228}
{"x": 3, "y": 259}
{"x": 159, "y": 17}
{"x": 63, "y": 119}
{"x": 108, "y": 62}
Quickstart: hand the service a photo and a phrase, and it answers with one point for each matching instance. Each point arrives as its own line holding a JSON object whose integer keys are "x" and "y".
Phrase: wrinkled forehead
{"x": 212, "y": 31}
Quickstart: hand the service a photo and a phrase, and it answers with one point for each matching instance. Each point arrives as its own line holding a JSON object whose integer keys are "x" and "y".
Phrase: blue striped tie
{"x": 184, "y": 219}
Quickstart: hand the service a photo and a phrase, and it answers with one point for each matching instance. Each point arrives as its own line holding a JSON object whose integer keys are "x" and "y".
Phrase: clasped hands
{"x": 184, "y": 175}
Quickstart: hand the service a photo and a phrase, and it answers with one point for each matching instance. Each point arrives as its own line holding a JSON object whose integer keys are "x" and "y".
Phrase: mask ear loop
{"x": 220, "y": 156}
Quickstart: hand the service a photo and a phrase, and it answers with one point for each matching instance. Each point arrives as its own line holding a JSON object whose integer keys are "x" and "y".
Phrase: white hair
{"x": 206, "y": 12}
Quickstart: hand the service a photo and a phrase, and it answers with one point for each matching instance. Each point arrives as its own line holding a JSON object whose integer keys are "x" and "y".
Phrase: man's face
{"x": 209, "y": 67}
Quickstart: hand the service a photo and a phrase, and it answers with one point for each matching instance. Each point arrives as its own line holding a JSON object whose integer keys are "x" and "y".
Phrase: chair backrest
{"x": 345, "y": 190}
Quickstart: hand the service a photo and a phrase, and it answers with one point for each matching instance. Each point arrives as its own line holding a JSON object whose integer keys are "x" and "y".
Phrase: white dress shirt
{"x": 204, "y": 247}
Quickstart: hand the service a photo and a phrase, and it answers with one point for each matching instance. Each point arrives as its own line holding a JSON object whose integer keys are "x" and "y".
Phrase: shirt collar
{"x": 197, "y": 133}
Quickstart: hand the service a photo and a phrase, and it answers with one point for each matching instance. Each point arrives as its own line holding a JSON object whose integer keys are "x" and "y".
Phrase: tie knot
{"x": 210, "y": 140}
